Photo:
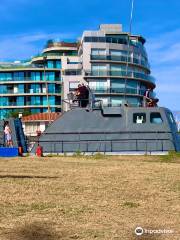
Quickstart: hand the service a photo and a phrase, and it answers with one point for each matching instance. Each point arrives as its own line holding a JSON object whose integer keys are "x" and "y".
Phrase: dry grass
{"x": 88, "y": 197}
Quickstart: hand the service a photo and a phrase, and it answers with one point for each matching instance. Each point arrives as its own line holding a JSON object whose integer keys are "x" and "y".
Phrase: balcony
{"x": 24, "y": 80}
{"x": 120, "y": 59}
{"x": 124, "y": 74}
{"x": 112, "y": 90}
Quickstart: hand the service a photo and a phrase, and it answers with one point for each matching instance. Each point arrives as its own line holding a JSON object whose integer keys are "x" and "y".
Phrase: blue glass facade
{"x": 28, "y": 89}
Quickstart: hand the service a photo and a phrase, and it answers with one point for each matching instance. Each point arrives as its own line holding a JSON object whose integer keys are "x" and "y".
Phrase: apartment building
{"x": 113, "y": 63}
{"x": 116, "y": 65}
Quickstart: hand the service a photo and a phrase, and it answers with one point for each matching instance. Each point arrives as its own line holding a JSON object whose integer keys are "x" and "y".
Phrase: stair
{"x": 18, "y": 138}
{"x": 1, "y": 133}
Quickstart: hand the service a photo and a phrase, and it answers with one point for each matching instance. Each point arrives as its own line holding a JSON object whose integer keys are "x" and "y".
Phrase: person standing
{"x": 8, "y": 136}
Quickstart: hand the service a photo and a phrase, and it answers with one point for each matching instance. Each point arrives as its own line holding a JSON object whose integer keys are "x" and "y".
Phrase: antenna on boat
{"x": 128, "y": 41}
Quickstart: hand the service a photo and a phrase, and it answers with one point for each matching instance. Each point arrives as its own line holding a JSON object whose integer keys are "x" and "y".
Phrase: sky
{"x": 26, "y": 25}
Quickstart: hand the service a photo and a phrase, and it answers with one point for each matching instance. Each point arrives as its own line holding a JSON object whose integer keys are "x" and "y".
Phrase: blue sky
{"x": 26, "y": 25}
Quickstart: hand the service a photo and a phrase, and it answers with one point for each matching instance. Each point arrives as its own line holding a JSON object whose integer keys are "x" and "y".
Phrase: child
{"x": 8, "y": 137}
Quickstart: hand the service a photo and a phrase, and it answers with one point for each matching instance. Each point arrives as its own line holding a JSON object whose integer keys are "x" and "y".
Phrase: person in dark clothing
{"x": 82, "y": 94}
{"x": 85, "y": 95}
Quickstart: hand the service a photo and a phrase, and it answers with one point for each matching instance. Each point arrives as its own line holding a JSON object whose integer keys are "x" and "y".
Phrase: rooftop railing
{"x": 53, "y": 43}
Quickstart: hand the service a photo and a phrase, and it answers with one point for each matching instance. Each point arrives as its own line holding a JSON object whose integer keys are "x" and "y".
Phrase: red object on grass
{"x": 39, "y": 151}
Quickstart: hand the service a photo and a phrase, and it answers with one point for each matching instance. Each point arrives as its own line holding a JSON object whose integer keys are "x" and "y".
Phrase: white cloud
{"x": 24, "y": 46}
{"x": 164, "y": 48}
{"x": 164, "y": 54}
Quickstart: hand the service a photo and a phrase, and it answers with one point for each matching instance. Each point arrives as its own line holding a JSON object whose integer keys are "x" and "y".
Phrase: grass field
{"x": 89, "y": 197}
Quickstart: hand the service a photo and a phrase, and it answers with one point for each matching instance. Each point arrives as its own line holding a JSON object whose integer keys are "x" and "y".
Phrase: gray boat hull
{"x": 110, "y": 130}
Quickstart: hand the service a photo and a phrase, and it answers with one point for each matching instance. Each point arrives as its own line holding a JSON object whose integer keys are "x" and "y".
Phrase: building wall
{"x": 109, "y": 76}
{"x": 25, "y": 90}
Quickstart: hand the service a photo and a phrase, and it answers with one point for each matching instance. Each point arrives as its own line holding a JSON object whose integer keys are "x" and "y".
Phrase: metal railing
{"x": 119, "y": 73}
{"x": 118, "y": 90}
{"x": 30, "y": 79}
{"x": 121, "y": 59}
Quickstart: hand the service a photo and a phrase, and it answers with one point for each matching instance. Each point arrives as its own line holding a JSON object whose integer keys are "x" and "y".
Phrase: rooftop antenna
{"x": 131, "y": 17}
{"x": 128, "y": 52}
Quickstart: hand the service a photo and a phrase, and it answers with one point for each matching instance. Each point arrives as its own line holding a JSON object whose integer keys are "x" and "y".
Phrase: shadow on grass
{"x": 26, "y": 176}
{"x": 36, "y": 231}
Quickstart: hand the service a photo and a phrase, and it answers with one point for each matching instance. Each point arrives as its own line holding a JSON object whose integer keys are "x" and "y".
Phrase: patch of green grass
{"x": 78, "y": 153}
{"x": 99, "y": 156}
{"x": 172, "y": 156}
{"x": 131, "y": 204}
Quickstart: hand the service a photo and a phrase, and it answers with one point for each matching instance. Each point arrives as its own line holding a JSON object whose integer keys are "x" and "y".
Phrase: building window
{"x": 114, "y": 52}
{"x": 18, "y": 76}
{"x": 73, "y": 86}
{"x": 98, "y": 86}
{"x": 72, "y": 72}
{"x": 116, "y": 101}
{"x": 133, "y": 101}
{"x": 50, "y": 76}
{"x": 58, "y": 64}
{"x": 50, "y": 64}
{"x": 139, "y": 118}
{"x": 35, "y": 76}
{"x": 156, "y": 118}
{"x": 5, "y": 76}
{"x": 98, "y": 51}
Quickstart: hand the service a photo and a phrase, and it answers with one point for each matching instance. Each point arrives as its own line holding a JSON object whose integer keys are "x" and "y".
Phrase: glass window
{"x": 50, "y": 76}
{"x": 132, "y": 86}
{"x": 58, "y": 64}
{"x": 50, "y": 64}
{"x": 118, "y": 52}
{"x": 133, "y": 101}
{"x": 139, "y": 118}
{"x": 118, "y": 86}
{"x": 35, "y": 100}
{"x": 5, "y": 76}
{"x": 35, "y": 88}
{"x": 4, "y": 101}
{"x": 35, "y": 76}
{"x": 100, "y": 86}
{"x": 118, "y": 68}
{"x": 156, "y": 118}
{"x": 98, "y": 67}
{"x": 100, "y": 70}
{"x": 98, "y": 51}
{"x": 116, "y": 101}
{"x": 18, "y": 76}
{"x": 35, "y": 110}
{"x": 51, "y": 88}
{"x": 73, "y": 85}
{"x": 52, "y": 100}
{"x": 103, "y": 101}
{"x": 3, "y": 89}
{"x": 20, "y": 101}
{"x": 21, "y": 88}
